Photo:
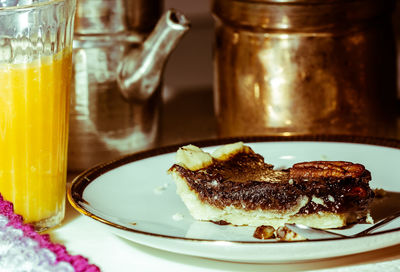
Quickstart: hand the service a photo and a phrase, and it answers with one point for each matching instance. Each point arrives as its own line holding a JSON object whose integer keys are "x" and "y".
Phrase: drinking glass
{"x": 35, "y": 75}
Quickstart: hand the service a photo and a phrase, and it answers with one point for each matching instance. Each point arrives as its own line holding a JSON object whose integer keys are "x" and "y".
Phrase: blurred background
{"x": 189, "y": 76}
{"x": 104, "y": 125}
{"x": 188, "y": 113}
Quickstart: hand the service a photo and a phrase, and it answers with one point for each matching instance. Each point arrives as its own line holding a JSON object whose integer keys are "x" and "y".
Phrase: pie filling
{"x": 245, "y": 182}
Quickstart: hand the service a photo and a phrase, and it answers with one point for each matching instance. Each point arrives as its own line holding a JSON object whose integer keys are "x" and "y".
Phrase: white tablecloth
{"x": 111, "y": 253}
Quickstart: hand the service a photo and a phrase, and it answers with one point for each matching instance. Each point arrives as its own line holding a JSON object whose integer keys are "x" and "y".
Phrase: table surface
{"x": 81, "y": 236}
{"x": 182, "y": 112}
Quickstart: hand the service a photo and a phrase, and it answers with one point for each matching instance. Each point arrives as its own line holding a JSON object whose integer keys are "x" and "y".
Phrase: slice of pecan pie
{"x": 236, "y": 186}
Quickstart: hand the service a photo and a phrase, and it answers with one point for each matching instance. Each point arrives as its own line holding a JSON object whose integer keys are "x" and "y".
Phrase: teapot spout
{"x": 140, "y": 72}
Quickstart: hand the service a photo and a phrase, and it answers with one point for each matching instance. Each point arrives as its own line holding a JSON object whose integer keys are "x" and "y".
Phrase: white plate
{"x": 134, "y": 198}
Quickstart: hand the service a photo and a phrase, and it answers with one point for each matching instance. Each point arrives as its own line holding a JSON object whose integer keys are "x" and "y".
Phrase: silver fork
{"x": 310, "y": 233}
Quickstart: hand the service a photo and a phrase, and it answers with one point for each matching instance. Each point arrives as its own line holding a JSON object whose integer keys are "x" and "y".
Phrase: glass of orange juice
{"x": 35, "y": 74}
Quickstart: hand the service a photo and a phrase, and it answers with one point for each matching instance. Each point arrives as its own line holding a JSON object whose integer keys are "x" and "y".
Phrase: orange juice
{"x": 34, "y": 101}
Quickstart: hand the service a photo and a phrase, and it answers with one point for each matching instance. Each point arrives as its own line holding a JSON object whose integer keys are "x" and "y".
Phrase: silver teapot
{"x": 120, "y": 50}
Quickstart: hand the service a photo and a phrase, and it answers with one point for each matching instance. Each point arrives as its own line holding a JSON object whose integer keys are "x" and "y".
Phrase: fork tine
{"x": 379, "y": 224}
{"x": 310, "y": 233}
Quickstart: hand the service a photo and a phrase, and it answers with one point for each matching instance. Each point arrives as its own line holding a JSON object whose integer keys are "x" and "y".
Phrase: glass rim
{"x": 34, "y": 5}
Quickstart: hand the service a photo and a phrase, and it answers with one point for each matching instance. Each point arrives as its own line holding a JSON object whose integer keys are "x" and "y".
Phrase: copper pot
{"x": 304, "y": 67}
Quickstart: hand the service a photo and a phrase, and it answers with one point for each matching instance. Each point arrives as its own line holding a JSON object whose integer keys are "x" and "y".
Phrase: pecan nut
{"x": 326, "y": 169}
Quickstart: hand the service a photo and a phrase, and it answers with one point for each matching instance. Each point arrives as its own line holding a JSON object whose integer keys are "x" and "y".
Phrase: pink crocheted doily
{"x": 23, "y": 249}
